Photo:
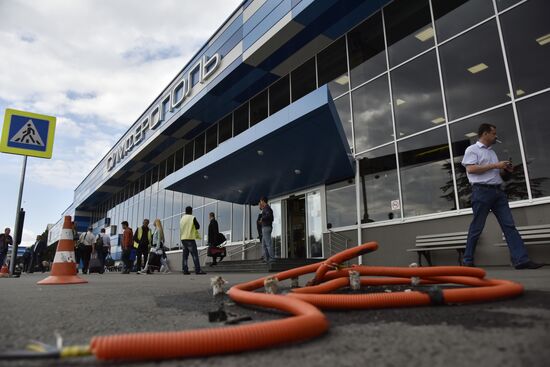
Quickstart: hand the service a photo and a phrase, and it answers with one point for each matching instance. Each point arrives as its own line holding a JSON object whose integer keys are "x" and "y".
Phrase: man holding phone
{"x": 485, "y": 172}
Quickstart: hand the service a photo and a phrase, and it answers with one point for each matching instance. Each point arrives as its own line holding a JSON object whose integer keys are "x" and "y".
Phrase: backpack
{"x": 221, "y": 239}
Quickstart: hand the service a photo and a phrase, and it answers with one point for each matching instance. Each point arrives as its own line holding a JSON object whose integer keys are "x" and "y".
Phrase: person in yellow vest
{"x": 189, "y": 232}
{"x": 143, "y": 239}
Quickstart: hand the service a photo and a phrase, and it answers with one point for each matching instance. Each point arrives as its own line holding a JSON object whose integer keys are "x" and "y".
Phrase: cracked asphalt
{"x": 513, "y": 332}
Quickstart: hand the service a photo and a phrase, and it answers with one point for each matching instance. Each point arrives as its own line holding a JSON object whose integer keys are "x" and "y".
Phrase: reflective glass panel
{"x": 199, "y": 145}
{"x": 314, "y": 224}
{"x": 224, "y": 216}
{"x": 417, "y": 95}
{"x": 473, "y": 71}
{"x": 178, "y": 159}
{"x": 528, "y": 46}
{"x": 225, "y": 128}
{"x": 279, "y": 95}
{"x": 240, "y": 119}
{"x": 276, "y": 232}
{"x": 464, "y": 134}
{"x": 535, "y": 128}
{"x": 332, "y": 66}
{"x": 211, "y": 138}
{"x": 426, "y": 179}
{"x": 303, "y": 79}
{"x": 454, "y": 16}
{"x": 343, "y": 108}
{"x": 409, "y": 29}
{"x": 258, "y": 108}
{"x": 237, "y": 219}
{"x": 341, "y": 204}
{"x": 372, "y": 114}
{"x": 366, "y": 50}
{"x": 379, "y": 185}
{"x": 188, "y": 154}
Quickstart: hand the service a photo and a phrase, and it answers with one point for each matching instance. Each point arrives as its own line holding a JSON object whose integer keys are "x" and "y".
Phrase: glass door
{"x": 314, "y": 225}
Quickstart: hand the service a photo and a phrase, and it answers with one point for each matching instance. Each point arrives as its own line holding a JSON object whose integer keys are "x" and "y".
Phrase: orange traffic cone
{"x": 4, "y": 272}
{"x": 64, "y": 266}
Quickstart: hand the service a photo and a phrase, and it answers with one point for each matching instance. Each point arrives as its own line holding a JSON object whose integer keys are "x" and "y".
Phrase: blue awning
{"x": 300, "y": 146}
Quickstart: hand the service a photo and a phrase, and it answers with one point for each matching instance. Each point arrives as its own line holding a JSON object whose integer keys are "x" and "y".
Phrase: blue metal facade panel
{"x": 266, "y": 23}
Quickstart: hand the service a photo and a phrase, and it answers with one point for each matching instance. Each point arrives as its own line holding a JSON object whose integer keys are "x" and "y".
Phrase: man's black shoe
{"x": 529, "y": 265}
{"x": 469, "y": 265}
{"x": 200, "y": 272}
{"x": 186, "y": 273}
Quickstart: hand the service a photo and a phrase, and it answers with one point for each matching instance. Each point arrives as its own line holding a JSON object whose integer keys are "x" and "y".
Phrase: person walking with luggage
{"x": 155, "y": 256}
{"x": 143, "y": 238}
{"x": 88, "y": 240}
{"x": 214, "y": 240}
{"x": 484, "y": 172}
{"x": 158, "y": 243}
{"x": 267, "y": 227}
{"x": 127, "y": 245}
{"x": 5, "y": 241}
{"x": 189, "y": 232}
{"x": 77, "y": 245}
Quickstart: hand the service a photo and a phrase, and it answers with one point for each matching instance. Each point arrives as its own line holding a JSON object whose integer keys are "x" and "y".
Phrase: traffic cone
{"x": 4, "y": 272}
{"x": 64, "y": 266}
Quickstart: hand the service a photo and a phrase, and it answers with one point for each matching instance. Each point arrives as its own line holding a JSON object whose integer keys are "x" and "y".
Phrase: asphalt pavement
{"x": 512, "y": 332}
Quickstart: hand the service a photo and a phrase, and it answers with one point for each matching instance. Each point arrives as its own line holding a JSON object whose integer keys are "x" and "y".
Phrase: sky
{"x": 96, "y": 65}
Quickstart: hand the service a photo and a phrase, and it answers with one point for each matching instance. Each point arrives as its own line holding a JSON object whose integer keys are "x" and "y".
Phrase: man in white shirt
{"x": 484, "y": 172}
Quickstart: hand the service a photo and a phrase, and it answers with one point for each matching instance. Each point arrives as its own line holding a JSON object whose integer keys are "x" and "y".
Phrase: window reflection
{"x": 279, "y": 95}
{"x": 211, "y": 138}
{"x": 332, "y": 67}
{"x": 258, "y": 108}
{"x": 341, "y": 204}
{"x": 199, "y": 145}
{"x": 528, "y": 46}
{"x": 409, "y": 29}
{"x": 454, "y": 16}
{"x": 237, "y": 219}
{"x": 473, "y": 71}
{"x": 417, "y": 95}
{"x": 225, "y": 128}
{"x": 303, "y": 79}
{"x": 425, "y": 173}
{"x": 343, "y": 108}
{"x": 533, "y": 118}
{"x": 372, "y": 114}
{"x": 464, "y": 134}
{"x": 240, "y": 119}
{"x": 366, "y": 50}
{"x": 378, "y": 170}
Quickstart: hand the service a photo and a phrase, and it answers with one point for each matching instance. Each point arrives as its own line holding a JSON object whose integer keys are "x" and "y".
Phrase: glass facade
{"x": 411, "y": 84}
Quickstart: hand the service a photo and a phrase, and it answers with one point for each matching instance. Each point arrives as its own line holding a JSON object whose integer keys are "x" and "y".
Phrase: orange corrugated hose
{"x": 307, "y": 321}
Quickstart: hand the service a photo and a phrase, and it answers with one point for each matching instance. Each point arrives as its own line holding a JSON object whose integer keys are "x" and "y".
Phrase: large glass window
{"x": 199, "y": 145}
{"x": 473, "y": 71}
{"x": 224, "y": 216}
{"x": 332, "y": 66}
{"x": 225, "y": 128}
{"x": 279, "y": 95}
{"x": 372, "y": 114}
{"x": 535, "y": 128}
{"x": 464, "y": 134}
{"x": 240, "y": 119}
{"x": 211, "y": 138}
{"x": 258, "y": 108}
{"x": 178, "y": 159}
{"x": 169, "y": 165}
{"x": 237, "y": 220}
{"x": 366, "y": 50}
{"x": 303, "y": 79}
{"x": 188, "y": 156}
{"x": 314, "y": 224}
{"x": 343, "y": 108}
{"x": 341, "y": 204}
{"x": 454, "y": 16}
{"x": 379, "y": 185}
{"x": 409, "y": 29}
{"x": 417, "y": 95}
{"x": 528, "y": 45}
{"x": 426, "y": 179}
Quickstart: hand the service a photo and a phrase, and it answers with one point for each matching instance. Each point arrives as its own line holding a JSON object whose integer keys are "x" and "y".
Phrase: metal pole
{"x": 15, "y": 234}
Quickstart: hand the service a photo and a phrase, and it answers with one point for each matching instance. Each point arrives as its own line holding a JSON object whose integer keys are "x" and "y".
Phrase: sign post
{"x": 26, "y": 134}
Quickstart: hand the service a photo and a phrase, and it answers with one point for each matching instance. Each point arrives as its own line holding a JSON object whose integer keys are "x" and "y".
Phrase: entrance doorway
{"x": 296, "y": 227}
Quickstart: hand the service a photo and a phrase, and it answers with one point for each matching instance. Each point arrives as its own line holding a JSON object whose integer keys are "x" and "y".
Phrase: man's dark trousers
{"x": 190, "y": 246}
{"x": 485, "y": 199}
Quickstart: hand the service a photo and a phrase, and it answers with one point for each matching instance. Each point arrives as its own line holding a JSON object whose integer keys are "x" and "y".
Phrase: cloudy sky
{"x": 95, "y": 65}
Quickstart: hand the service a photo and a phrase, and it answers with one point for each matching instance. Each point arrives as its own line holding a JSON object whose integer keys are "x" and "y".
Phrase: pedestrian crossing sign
{"x": 27, "y": 133}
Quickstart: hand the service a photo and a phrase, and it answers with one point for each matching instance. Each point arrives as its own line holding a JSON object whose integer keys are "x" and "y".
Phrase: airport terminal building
{"x": 351, "y": 116}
